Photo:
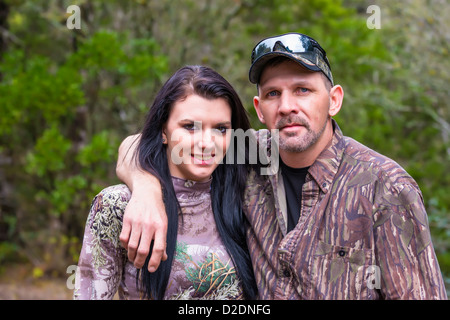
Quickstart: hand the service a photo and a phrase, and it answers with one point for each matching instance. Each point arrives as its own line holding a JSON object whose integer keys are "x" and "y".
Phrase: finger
{"x": 125, "y": 234}
{"x": 158, "y": 251}
{"x": 133, "y": 243}
{"x": 144, "y": 247}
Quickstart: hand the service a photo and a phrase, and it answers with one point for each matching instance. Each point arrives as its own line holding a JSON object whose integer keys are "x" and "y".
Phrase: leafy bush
{"x": 61, "y": 127}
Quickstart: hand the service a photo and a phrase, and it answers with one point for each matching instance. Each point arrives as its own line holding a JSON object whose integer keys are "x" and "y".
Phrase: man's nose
{"x": 287, "y": 104}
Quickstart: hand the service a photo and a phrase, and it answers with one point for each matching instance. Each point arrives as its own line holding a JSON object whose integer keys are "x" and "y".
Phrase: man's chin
{"x": 293, "y": 144}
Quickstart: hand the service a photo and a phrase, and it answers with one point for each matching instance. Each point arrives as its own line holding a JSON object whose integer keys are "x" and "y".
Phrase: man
{"x": 338, "y": 220}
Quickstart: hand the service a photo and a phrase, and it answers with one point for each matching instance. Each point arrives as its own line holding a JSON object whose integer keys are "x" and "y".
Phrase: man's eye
{"x": 303, "y": 90}
{"x": 272, "y": 94}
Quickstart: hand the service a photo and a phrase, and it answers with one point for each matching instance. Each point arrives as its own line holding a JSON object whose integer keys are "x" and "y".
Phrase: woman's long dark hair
{"x": 228, "y": 181}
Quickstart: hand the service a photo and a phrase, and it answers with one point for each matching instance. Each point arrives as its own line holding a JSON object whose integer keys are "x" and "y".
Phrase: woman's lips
{"x": 203, "y": 159}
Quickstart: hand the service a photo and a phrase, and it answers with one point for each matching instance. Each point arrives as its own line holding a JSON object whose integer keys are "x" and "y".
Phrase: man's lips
{"x": 291, "y": 126}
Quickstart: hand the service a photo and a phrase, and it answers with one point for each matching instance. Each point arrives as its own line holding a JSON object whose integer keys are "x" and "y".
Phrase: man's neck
{"x": 308, "y": 157}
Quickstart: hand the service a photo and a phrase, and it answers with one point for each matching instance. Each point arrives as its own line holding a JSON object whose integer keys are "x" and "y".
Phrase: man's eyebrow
{"x": 302, "y": 83}
{"x": 298, "y": 83}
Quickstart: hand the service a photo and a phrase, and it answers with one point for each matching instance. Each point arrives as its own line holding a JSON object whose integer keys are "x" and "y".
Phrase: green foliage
{"x": 63, "y": 119}
{"x": 49, "y": 153}
{"x": 96, "y": 151}
{"x": 35, "y": 93}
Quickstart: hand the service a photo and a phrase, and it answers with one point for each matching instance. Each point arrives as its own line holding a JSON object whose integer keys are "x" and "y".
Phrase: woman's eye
{"x": 190, "y": 127}
{"x": 222, "y": 130}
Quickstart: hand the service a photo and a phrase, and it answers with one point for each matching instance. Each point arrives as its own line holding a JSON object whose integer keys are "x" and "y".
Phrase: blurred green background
{"x": 68, "y": 97}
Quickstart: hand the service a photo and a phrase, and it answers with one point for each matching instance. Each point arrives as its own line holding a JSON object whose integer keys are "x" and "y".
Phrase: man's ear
{"x": 336, "y": 98}
{"x": 256, "y": 104}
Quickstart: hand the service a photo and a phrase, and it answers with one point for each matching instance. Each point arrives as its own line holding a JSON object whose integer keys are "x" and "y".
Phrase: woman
{"x": 183, "y": 143}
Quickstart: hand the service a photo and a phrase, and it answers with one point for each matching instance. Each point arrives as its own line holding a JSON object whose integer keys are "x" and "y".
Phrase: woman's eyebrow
{"x": 222, "y": 123}
{"x": 225, "y": 123}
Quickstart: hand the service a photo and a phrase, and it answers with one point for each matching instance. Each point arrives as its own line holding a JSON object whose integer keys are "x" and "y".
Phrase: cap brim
{"x": 258, "y": 65}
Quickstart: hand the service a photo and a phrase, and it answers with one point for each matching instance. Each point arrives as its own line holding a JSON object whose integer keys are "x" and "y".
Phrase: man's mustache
{"x": 292, "y": 120}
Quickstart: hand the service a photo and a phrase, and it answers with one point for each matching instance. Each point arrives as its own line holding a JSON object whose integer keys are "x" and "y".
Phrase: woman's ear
{"x": 164, "y": 138}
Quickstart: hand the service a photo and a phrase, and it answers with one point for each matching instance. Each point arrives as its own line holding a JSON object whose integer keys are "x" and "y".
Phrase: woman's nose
{"x": 206, "y": 141}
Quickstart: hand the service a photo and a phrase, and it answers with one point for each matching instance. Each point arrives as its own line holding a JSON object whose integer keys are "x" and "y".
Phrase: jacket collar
{"x": 327, "y": 163}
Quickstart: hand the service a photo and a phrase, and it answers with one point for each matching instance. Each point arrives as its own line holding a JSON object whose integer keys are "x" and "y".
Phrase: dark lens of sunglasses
{"x": 292, "y": 43}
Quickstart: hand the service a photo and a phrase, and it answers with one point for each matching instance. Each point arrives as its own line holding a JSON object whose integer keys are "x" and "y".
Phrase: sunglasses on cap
{"x": 295, "y": 46}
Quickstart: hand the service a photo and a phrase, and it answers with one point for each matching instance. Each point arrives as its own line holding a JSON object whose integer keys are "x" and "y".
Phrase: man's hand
{"x": 145, "y": 218}
{"x": 143, "y": 222}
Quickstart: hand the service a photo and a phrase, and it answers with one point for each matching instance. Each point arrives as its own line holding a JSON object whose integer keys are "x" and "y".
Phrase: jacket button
{"x": 341, "y": 253}
{"x": 286, "y": 273}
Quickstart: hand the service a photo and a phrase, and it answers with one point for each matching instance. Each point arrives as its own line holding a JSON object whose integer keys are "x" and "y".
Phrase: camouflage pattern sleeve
{"x": 403, "y": 247}
{"x": 102, "y": 259}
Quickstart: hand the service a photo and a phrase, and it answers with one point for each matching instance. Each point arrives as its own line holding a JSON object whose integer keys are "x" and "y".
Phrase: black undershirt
{"x": 293, "y": 179}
